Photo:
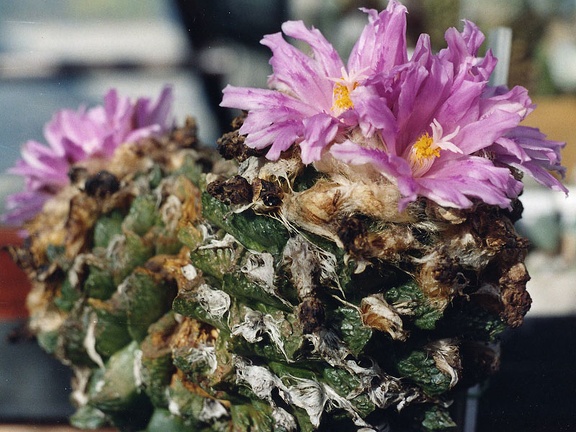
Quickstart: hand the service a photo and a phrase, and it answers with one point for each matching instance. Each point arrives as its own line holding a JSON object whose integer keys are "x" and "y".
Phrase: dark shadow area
{"x": 535, "y": 389}
{"x": 34, "y": 387}
{"x": 216, "y": 23}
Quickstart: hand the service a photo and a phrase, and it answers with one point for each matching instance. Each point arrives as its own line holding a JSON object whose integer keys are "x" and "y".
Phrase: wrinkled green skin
{"x": 137, "y": 320}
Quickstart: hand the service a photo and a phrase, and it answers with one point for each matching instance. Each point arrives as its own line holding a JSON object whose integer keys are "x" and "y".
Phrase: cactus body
{"x": 192, "y": 293}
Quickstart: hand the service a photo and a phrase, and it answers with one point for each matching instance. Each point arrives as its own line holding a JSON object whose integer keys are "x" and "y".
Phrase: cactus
{"x": 317, "y": 279}
{"x": 180, "y": 306}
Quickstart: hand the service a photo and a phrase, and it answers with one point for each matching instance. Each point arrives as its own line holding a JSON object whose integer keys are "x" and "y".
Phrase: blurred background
{"x": 65, "y": 53}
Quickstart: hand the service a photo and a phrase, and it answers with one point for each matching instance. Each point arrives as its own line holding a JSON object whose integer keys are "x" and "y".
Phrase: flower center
{"x": 341, "y": 97}
{"x": 423, "y": 153}
{"x": 425, "y": 149}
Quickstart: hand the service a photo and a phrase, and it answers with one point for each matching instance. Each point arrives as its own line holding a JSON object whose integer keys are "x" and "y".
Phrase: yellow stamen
{"x": 422, "y": 154}
{"x": 424, "y": 150}
{"x": 341, "y": 97}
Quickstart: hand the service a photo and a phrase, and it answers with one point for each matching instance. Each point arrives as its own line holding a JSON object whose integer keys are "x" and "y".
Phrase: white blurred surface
{"x": 549, "y": 222}
{"x": 99, "y": 41}
{"x": 552, "y": 287}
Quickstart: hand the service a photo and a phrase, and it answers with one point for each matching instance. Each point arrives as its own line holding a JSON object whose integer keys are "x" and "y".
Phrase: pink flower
{"x": 73, "y": 136}
{"x": 447, "y": 135}
{"x": 311, "y": 101}
{"x": 430, "y": 123}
